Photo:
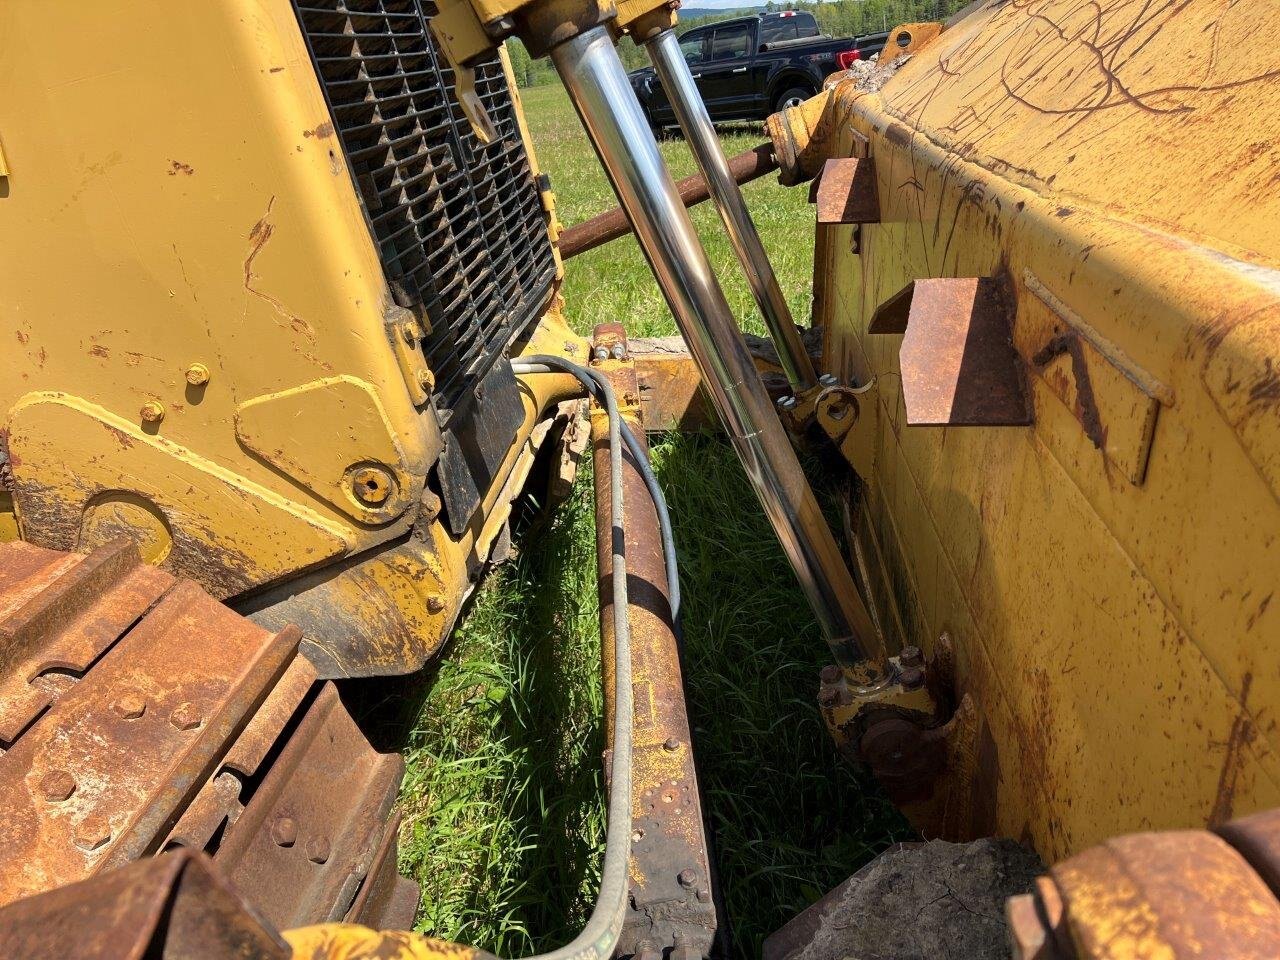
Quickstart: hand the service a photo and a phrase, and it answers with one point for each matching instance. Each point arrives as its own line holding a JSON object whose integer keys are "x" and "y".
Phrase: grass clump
{"x": 502, "y": 820}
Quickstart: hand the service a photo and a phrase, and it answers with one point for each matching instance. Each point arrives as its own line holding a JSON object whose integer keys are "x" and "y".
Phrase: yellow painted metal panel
{"x": 1117, "y": 625}
{"x": 181, "y": 198}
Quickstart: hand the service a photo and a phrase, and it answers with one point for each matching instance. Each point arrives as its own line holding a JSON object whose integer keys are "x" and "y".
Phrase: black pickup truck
{"x": 750, "y": 67}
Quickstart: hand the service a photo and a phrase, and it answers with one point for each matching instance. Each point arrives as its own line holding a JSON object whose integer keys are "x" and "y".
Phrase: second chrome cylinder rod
{"x": 598, "y": 86}
{"x": 699, "y": 133}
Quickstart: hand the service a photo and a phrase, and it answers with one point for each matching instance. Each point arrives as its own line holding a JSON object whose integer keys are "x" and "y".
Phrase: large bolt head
{"x": 129, "y": 706}
{"x": 152, "y": 411}
{"x": 197, "y": 374}
{"x": 92, "y": 833}
{"x": 317, "y": 849}
{"x": 185, "y": 716}
{"x": 431, "y": 505}
{"x": 57, "y": 785}
{"x": 686, "y": 877}
{"x": 284, "y": 832}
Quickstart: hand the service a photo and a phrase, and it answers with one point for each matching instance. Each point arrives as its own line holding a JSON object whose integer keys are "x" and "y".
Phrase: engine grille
{"x": 458, "y": 223}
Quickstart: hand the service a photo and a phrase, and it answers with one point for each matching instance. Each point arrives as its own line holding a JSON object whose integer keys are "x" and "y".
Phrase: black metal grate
{"x": 459, "y": 224}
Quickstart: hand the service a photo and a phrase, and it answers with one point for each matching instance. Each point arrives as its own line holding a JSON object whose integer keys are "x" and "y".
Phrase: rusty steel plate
{"x": 189, "y": 727}
{"x": 101, "y": 776}
{"x": 306, "y": 842}
{"x": 221, "y": 799}
{"x": 958, "y": 363}
{"x": 58, "y": 612}
{"x": 845, "y": 192}
{"x": 174, "y": 907}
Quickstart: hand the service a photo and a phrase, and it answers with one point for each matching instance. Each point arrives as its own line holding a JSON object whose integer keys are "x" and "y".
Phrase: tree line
{"x": 838, "y": 18}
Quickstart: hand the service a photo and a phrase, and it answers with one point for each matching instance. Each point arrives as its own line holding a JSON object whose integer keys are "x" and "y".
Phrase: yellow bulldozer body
{"x": 1107, "y": 574}
{"x": 1045, "y": 284}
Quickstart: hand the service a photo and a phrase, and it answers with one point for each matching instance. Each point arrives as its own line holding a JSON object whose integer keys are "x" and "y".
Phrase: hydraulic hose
{"x": 591, "y": 381}
{"x": 600, "y": 936}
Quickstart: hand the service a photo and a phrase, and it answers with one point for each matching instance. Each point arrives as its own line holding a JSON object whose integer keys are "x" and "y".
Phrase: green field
{"x": 503, "y": 796}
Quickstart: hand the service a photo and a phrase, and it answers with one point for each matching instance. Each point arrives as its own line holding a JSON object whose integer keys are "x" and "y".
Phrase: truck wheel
{"x": 791, "y": 97}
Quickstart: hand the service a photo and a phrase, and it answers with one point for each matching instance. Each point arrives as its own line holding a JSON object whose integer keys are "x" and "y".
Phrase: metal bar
{"x": 745, "y": 167}
{"x": 691, "y": 113}
{"x": 671, "y": 898}
{"x": 592, "y": 73}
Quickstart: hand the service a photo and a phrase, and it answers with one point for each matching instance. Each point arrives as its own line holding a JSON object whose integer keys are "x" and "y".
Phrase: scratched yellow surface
{"x": 175, "y": 195}
{"x": 1108, "y": 574}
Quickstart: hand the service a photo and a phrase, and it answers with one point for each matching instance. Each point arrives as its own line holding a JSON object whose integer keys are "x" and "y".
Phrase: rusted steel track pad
{"x": 155, "y": 718}
{"x": 175, "y": 907}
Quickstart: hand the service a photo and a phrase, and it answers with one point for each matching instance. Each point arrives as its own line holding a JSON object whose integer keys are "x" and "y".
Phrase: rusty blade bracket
{"x": 845, "y": 191}
{"x": 958, "y": 363}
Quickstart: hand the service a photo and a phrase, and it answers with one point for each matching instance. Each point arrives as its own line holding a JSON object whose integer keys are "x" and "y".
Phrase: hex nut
{"x": 57, "y": 785}
{"x": 152, "y": 411}
{"x": 185, "y": 716}
{"x": 426, "y": 379}
{"x": 431, "y": 504}
{"x": 371, "y": 485}
{"x": 704, "y": 895}
{"x": 435, "y": 603}
{"x": 317, "y": 849}
{"x": 197, "y": 375}
{"x": 129, "y": 706}
{"x": 284, "y": 832}
{"x": 92, "y": 833}
{"x": 911, "y": 657}
{"x": 686, "y": 877}
{"x": 911, "y": 678}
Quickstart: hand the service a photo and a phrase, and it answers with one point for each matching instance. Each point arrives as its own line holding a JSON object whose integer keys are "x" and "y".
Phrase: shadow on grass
{"x": 790, "y": 820}
{"x": 504, "y": 792}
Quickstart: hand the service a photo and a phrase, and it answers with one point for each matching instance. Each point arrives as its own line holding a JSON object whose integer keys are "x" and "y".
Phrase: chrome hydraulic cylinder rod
{"x": 691, "y": 114}
{"x": 598, "y": 86}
